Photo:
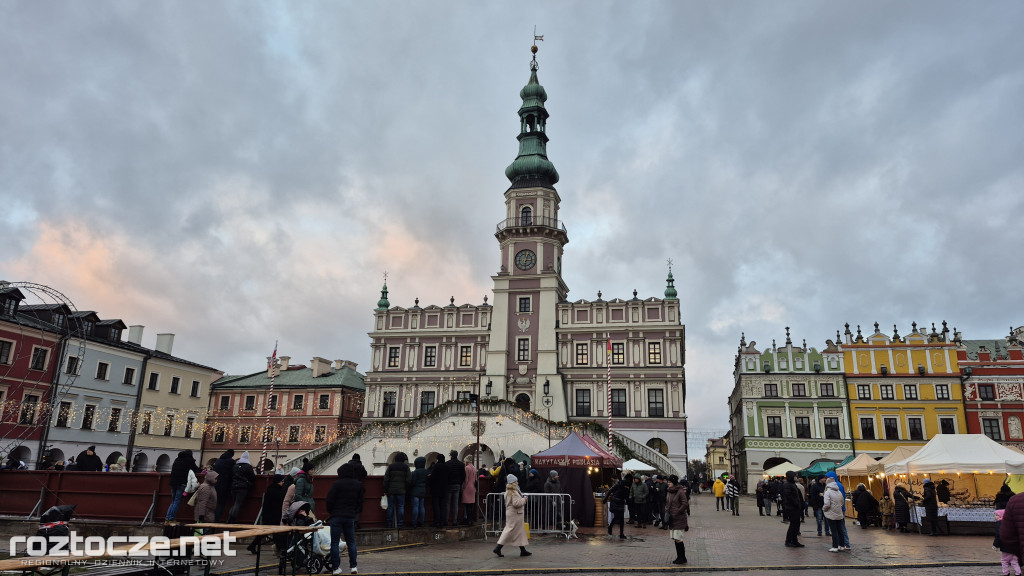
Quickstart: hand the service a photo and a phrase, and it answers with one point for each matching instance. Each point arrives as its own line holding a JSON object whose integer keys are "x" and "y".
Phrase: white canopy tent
{"x": 781, "y": 469}
{"x": 857, "y": 467}
{"x": 960, "y": 453}
{"x": 899, "y": 453}
{"x": 635, "y": 465}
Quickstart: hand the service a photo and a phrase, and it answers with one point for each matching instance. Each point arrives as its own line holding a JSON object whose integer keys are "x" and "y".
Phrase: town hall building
{"x": 521, "y": 369}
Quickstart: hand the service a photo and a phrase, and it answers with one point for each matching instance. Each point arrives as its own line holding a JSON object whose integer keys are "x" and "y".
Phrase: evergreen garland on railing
{"x": 590, "y": 427}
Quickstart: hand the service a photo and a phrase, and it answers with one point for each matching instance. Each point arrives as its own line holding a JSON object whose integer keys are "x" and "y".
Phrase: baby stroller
{"x": 309, "y": 552}
{"x": 54, "y": 522}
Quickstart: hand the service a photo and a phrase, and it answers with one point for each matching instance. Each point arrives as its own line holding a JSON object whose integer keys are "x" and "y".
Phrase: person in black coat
{"x": 616, "y": 498}
{"x": 456, "y": 477}
{"x": 792, "y": 509}
{"x": 865, "y": 504}
{"x": 344, "y": 503}
{"x": 931, "y": 506}
{"x": 223, "y": 467}
{"x": 437, "y": 484}
{"x": 270, "y": 514}
{"x": 88, "y": 461}
{"x": 182, "y": 465}
{"x": 243, "y": 476}
{"x": 534, "y": 484}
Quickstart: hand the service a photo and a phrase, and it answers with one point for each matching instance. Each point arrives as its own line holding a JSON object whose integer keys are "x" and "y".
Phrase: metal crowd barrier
{"x": 545, "y": 514}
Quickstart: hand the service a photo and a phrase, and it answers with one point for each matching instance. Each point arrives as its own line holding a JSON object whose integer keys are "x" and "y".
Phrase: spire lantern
{"x": 532, "y": 167}
{"x": 383, "y": 303}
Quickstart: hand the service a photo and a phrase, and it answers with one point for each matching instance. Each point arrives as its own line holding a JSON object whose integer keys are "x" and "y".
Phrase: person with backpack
{"x": 243, "y": 476}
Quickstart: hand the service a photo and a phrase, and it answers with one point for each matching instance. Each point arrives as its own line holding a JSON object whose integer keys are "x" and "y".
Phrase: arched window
{"x": 526, "y": 216}
{"x": 531, "y": 123}
{"x": 659, "y": 445}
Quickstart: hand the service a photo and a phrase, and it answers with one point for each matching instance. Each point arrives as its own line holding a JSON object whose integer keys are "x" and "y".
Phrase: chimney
{"x": 351, "y": 364}
{"x": 339, "y": 364}
{"x": 284, "y": 360}
{"x": 135, "y": 334}
{"x": 164, "y": 343}
{"x": 321, "y": 367}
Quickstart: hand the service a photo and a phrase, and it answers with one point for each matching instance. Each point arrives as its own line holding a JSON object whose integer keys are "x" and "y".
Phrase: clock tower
{"x": 522, "y": 361}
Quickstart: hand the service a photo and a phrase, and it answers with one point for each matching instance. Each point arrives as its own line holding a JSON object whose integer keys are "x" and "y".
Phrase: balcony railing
{"x": 531, "y": 222}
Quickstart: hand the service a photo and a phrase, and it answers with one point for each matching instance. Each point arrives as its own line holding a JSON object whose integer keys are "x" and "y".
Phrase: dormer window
{"x": 526, "y": 216}
{"x": 115, "y": 334}
{"x": 58, "y": 319}
{"x": 87, "y": 327}
{"x": 10, "y": 306}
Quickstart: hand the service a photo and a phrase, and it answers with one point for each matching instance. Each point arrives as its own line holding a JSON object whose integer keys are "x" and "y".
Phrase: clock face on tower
{"x": 525, "y": 259}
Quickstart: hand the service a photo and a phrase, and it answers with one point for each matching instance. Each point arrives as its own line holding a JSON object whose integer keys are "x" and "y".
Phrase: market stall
{"x": 781, "y": 470}
{"x": 856, "y": 472}
{"x": 635, "y": 465}
{"x": 973, "y": 466}
{"x": 575, "y": 458}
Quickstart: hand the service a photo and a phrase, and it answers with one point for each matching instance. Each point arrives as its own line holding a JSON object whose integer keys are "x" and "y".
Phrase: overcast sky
{"x": 240, "y": 172}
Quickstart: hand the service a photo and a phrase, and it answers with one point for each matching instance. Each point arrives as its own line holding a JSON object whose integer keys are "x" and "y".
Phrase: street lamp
{"x": 548, "y": 401}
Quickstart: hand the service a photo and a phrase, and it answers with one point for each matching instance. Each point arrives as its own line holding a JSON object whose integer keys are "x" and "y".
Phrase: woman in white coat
{"x": 514, "y": 533}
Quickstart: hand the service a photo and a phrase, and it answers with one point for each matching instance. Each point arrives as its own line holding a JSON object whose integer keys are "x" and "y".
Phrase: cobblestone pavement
{"x": 716, "y": 541}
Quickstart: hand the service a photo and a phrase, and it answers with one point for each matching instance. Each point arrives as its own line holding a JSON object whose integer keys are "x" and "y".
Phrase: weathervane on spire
{"x": 533, "y": 63}
{"x": 385, "y": 276}
{"x": 669, "y": 265}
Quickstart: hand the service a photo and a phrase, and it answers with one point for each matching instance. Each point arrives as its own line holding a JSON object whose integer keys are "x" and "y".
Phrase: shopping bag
{"x": 384, "y": 502}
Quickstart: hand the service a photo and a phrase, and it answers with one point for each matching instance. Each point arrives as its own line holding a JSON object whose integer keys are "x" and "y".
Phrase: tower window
{"x": 526, "y": 216}
{"x": 430, "y": 356}
{"x": 654, "y": 352}
{"x": 465, "y": 356}
{"x": 388, "y": 410}
{"x": 393, "y": 357}
{"x": 524, "y": 304}
{"x": 523, "y": 347}
{"x": 656, "y": 403}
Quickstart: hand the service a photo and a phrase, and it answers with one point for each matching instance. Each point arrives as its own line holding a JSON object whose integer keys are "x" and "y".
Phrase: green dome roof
{"x": 532, "y": 167}
{"x": 383, "y": 303}
{"x": 670, "y": 290}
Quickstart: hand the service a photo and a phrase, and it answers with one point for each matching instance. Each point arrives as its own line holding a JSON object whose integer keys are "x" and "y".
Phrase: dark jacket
{"x": 87, "y": 463}
{"x": 1003, "y": 497}
{"x": 817, "y": 495}
{"x": 534, "y": 485}
{"x": 553, "y": 486}
{"x": 616, "y": 497}
{"x": 901, "y": 505}
{"x": 345, "y": 498}
{"x": 792, "y": 502}
{"x": 931, "y": 504}
{"x": 242, "y": 476}
{"x": 273, "y": 499}
{"x": 224, "y": 466}
{"x": 418, "y": 479}
{"x": 676, "y": 505}
{"x": 942, "y": 492}
{"x": 1011, "y": 529}
{"x": 182, "y": 464}
{"x": 358, "y": 469}
{"x": 864, "y": 503}
{"x": 396, "y": 477}
{"x": 437, "y": 479}
{"x": 456, "y": 472}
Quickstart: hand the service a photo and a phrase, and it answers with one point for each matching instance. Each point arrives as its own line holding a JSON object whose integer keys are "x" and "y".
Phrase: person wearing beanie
{"x": 88, "y": 461}
{"x": 456, "y": 477}
{"x": 616, "y": 498}
{"x": 534, "y": 483}
{"x": 554, "y": 486}
{"x": 243, "y": 477}
{"x": 514, "y": 533}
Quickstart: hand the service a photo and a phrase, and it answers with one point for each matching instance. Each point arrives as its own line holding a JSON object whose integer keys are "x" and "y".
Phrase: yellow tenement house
{"x": 902, "y": 390}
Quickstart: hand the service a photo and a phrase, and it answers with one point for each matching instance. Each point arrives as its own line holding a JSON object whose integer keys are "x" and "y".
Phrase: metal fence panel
{"x": 545, "y": 513}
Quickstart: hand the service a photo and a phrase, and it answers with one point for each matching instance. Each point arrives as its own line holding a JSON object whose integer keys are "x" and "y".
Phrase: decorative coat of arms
{"x": 474, "y": 426}
{"x": 524, "y": 324}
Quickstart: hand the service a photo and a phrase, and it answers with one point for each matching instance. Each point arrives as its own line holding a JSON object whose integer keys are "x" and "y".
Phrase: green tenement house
{"x": 788, "y": 404}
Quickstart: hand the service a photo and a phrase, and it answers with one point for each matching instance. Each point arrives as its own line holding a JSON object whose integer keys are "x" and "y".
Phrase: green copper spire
{"x": 532, "y": 167}
{"x": 670, "y": 289}
{"x": 383, "y": 303}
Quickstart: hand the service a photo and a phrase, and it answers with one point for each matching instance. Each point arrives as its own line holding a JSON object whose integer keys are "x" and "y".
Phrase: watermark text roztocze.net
{"x": 77, "y": 546}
